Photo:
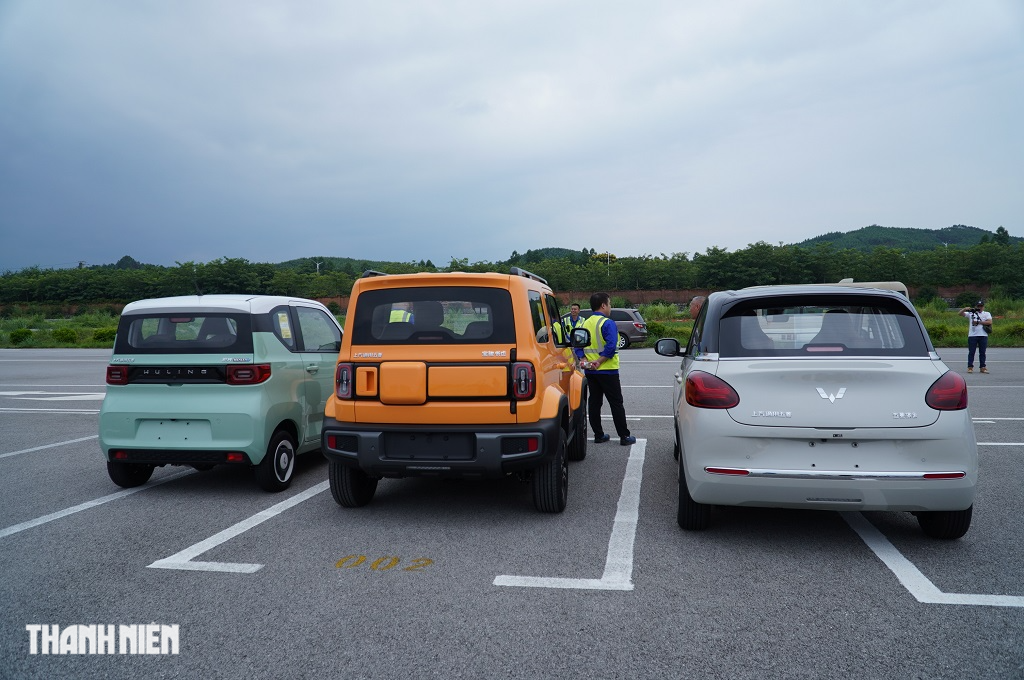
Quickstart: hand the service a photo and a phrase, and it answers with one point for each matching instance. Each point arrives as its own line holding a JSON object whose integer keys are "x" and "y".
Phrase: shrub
{"x": 662, "y": 312}
{"x": 334, "y": 307}
{"x": 925, "y": 294}
{"x": 967, "y": 299}
{"x": 20, "y": 335}
{"x": 938, "y": 332}
{"x": 1014, "y": 330}
{"x": 104, "y": 334}
{"x": 655, "y": 331}
{"x": 66, "y": 335}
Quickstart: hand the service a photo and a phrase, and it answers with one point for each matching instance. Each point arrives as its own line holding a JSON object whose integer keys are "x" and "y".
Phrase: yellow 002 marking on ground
{"x": 385, "y": 563}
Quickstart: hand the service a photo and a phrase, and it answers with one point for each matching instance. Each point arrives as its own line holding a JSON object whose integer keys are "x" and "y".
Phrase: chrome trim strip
{"x": 842, "y": 475}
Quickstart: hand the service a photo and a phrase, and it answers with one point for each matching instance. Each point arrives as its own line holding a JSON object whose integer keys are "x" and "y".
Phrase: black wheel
{"x": 692, "y": 516}
{"x": 274, "y": 472}
{"x": 947, "y": 524}
{"x": 129, "y": 474}
{"x": 551, "y": 481}
{"x": 623, "y": 341}
{"x": 578, "y": 448}
{"x": 350, "y": 486}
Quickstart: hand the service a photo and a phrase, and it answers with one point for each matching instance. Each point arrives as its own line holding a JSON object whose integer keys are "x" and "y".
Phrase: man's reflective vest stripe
{"x": 592, "y": 352}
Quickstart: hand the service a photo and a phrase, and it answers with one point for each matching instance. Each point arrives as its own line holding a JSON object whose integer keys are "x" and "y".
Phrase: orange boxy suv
{"x": 454, "y": 375}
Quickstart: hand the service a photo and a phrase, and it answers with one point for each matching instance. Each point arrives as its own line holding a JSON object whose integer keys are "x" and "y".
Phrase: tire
{"x": 274, "y": 472}
{"x": 623, "y": 341}
{"x": 578, "y": 448}
{"x": 945, "y": 524}
{"x": 350, "y": 486}
{"x": 129, "y": 475}
{"x": 551, "y": 481}
{"x": 691, "y": 516}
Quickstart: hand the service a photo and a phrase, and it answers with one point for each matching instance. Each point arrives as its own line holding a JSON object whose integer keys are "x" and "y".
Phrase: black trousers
{"x": 603, "y": 384}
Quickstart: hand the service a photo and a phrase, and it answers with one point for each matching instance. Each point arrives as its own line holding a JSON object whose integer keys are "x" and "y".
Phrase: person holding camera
{"x": 977, "y": 334}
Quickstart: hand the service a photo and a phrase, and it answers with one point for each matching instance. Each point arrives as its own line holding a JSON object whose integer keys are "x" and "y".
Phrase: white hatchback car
{"x": 820, "y": 397}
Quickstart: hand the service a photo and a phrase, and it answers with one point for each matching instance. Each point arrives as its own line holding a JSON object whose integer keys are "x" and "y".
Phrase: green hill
{"x": 911, "y": 240}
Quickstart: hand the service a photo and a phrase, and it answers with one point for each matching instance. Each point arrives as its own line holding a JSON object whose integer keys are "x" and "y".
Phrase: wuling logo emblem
{"x": 832, "y": 397}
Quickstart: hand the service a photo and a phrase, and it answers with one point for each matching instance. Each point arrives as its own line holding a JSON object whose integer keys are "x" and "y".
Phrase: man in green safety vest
{"x": 600, "y": 362}
{"x": 572, "y": 319}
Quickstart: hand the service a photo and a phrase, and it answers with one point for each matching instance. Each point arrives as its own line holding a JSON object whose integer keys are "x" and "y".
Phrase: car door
{"x": 320, "y": 338}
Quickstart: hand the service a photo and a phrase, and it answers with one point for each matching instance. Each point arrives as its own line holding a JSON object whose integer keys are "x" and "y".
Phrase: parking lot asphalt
{"x": 466, "y": 579}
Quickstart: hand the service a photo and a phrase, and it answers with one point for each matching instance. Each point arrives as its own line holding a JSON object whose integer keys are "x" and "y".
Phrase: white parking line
{"x": 48, "y": 446}
{"x": 183, "y": 560}
{"x": 911, "y": 577}
{"x": 618, "y": 566}
{"x": 4, "y": 533}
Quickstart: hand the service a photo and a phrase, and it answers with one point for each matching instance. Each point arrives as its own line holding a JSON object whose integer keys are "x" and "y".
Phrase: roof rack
{"x": 372, "y": 272}
{"x": 516, "y": 271}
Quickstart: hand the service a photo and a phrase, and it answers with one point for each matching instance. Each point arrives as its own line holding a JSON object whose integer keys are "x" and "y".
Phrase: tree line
{"x": 992, "y": 263}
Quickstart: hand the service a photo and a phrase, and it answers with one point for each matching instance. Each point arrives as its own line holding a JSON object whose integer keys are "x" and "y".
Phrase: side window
{"x": 281, "y": 324}
{"x": 557, "y": 332}
{"x": 620, "y": 315}
{"x": 537, "y": 314}
{"x": 318, "y": 333}
{"x": 692, "y": 347}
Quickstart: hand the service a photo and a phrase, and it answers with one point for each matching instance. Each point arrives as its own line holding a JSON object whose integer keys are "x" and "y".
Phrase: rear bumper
{"x": 174, "y": 457}
{"x": 863, "y": 491}
{"x": 439, "y": 451}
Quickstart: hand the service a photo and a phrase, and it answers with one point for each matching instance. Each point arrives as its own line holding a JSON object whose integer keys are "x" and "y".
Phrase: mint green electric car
{"x": 217, "y": 379}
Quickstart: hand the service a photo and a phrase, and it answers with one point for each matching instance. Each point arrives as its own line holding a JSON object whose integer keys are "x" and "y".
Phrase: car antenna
{"x": 195, "y": 282}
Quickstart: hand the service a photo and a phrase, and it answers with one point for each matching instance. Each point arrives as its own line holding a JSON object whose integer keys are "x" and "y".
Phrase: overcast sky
{"x": 432, "y": 129}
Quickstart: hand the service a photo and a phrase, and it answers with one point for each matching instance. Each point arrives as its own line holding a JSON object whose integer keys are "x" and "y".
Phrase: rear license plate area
{"x": 429, "y": 446}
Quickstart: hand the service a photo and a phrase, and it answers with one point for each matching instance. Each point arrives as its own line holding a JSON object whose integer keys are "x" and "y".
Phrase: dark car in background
{"x": 629, "y": 322}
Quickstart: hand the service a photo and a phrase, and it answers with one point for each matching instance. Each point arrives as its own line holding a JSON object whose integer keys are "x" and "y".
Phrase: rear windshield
{"x": 184, "y": 333}
{"x": 821, "y": 326}
{"x": 434, "y": 315}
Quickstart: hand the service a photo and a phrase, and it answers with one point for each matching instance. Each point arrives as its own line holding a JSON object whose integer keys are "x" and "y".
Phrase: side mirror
{"x": 580, "y": 337}
{"x": 667, "y": 347}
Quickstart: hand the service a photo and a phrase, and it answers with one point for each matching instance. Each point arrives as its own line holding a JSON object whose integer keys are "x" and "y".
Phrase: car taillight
{"x": 248, "y": 374}
{"x": 523, "y": 380}
{"x": 704, "y": 390}
{"x": 727, "y": 471}
{"x": 945, "y": 475}
{"x": 948, "y": 393}
{"x": 640, "y": 326}
{"x": 343, "y": 381}
{"x": 117, "y": 375}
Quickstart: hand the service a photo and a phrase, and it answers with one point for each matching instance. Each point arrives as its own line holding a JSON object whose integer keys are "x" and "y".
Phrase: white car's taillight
{"x": 948, "y": 393}
{"x": 704, "y": 390}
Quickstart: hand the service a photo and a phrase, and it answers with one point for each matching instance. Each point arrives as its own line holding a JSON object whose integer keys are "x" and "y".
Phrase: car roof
{"x": 469, "y": 279}
{"x": 812, "y": 289}
{"x": 253, "y": 304}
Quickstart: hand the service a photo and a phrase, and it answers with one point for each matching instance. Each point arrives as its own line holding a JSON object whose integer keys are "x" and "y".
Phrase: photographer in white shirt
{"x": 977, "y": 334}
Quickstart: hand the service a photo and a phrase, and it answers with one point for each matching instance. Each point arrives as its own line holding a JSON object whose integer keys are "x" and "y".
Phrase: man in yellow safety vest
{"x": 600, "y": 361}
